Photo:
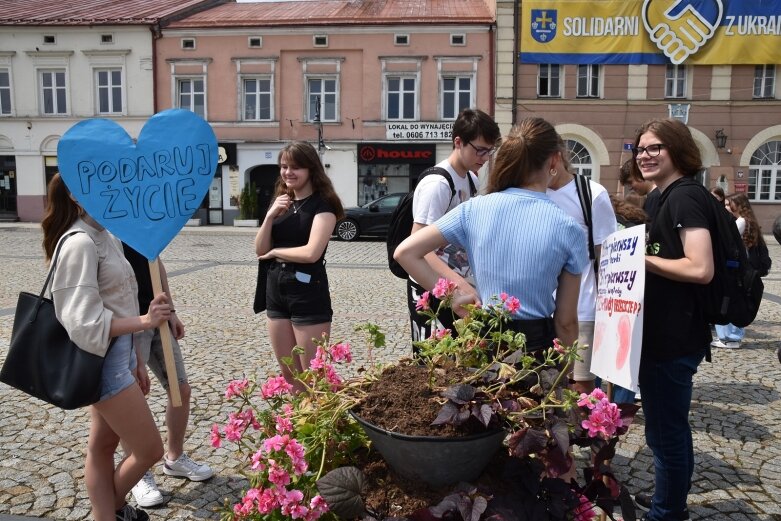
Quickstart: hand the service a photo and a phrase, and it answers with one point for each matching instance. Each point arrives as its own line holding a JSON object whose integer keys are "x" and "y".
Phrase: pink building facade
{"x": 376, "y": 90}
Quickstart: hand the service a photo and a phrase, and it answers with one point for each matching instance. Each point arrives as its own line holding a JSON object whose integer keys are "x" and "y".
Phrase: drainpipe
{"x": 156, "y": 34}
{"x": 492, "y": 66}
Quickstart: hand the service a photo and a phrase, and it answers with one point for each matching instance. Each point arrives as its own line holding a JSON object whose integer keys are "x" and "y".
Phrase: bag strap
{"x": 472, "y": 187}
{"x": 583, "y": 186}
{"x": 54, "y": 262}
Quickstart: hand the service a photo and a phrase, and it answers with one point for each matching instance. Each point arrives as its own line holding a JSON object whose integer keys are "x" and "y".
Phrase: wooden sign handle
{"x": 165, "y": 338}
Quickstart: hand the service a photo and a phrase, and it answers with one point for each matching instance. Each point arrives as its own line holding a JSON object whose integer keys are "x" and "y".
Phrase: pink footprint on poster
{"x": 624, "y": 340}
{"x": 599, "y": 333}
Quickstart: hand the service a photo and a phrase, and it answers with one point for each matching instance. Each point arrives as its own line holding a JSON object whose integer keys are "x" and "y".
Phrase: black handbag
{"x": 259, "y": 303}
{"x": 42, "y": 360}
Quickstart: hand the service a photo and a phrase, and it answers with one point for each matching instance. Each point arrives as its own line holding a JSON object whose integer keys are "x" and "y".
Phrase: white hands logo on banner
{"x": 679, "y": 28}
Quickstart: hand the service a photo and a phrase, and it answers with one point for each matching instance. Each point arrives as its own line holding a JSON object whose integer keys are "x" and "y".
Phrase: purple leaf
{"x": 460, "y": 394}
{"x": 447, "y": 414}
{"x": 560, "y": 432}
{"x": 527, "y": 441}
{"x": 341, "y": 490}
{"x": 484, "y": 413}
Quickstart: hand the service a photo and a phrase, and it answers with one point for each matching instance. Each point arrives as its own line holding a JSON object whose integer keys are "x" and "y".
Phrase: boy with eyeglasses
{"x": 475, "y": 137}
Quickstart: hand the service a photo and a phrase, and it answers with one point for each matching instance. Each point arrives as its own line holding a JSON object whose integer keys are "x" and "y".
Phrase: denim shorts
{"x": 299, "y": 293}
{"x": 118, "y": 367}
{"x": 150, "y": 345}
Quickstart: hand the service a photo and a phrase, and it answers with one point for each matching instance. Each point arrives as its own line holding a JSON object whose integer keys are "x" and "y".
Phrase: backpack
{"x": 759, "y": 258}
{"x": 401, "y": 220}
{"x": 583, "y": 186}
{"x": 735, "y": 293}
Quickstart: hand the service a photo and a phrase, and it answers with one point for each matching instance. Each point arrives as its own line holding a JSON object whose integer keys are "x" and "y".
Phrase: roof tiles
{"x": 91, "y": 12}
{"x": 339, "y": 12}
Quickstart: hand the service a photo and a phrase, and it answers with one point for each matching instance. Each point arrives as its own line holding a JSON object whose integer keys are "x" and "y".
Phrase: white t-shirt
{"x": 604, "y": 219}
{"x": 432, "y": 200}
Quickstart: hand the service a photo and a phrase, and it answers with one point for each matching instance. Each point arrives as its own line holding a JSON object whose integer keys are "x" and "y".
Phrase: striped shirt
{"x": 518, "y": 242}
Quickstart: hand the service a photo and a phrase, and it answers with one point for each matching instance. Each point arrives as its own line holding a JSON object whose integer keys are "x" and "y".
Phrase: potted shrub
{"x": 248, "y": 206}
{"x": 307, "y": 458}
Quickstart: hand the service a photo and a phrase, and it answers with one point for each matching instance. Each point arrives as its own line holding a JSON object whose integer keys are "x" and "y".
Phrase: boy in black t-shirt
{"x": 679, "y": 260}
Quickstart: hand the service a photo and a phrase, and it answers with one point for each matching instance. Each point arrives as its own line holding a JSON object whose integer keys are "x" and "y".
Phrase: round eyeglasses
{"x": 651, "y": 150}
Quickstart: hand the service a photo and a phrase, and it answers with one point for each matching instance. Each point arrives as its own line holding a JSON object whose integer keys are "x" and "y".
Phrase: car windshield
{"x": 387, "y": 201}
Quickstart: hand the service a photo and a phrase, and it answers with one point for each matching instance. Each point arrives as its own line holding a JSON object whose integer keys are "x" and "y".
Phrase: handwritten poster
{"x": 618, "y": 327}
{"x": 142, "y": 191}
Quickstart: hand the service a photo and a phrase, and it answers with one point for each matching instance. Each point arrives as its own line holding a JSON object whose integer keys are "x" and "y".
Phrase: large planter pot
{"x": 437, "y": 461}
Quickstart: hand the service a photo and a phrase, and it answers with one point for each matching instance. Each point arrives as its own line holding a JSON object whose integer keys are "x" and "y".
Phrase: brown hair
{"x": 718, "y": 192}
{"x": 524, "y": 151}
{"x": 678, "y": 140}
{"x": 740, "y": 204}
{"x": 472, "y": 124}
{"x": 60, "y": 213}
{"x": 304, "y": 155}
{"x": 628, "y": 211}
{"x": 625, "y": 173}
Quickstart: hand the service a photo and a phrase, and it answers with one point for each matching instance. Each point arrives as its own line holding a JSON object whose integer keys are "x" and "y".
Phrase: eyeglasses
{"x": 483, "y": 151}
{"x": 652, "y": 150}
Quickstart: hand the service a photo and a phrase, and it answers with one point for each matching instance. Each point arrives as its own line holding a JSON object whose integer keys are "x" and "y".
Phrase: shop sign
{"x": 392, "y": 153}
{"x": 422, "y": 130}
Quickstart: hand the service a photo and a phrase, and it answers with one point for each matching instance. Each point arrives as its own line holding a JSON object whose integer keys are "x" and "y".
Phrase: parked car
{"x": 373, "y": 218}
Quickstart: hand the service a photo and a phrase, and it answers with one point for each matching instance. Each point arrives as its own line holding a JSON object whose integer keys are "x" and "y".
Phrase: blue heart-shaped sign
{"x": 142, "y": 192}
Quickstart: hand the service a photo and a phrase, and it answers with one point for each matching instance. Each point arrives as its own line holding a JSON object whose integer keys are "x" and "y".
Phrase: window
{"x": 401, "y": 39}
{"x": 588, "y": 81}
{"x": 456, "y": 95}
{"x": 257, "y": 99}
{"x": 53, "y": 94}
{"x": 580, "y": 159}
{"x": 402, "y": 97}
{"x": 255, "y": 42}
{"x": 764, "y": 81}
{"x": 106, "y": 38}
{"x": 457, "y": 40}
{"x": 5, "y": 92}
{"x": 549, "y": 81}
{"x": 320, "y": 40}
{"x": 675, "y": 81}
{"x": 764, "y": 174}
{"x": 191, "y": 93}
{"x": 324, "y": 90}
{"x": 49, "y": 39}
{"x": 109, "y": 85}
{"x": 188, "y": 43}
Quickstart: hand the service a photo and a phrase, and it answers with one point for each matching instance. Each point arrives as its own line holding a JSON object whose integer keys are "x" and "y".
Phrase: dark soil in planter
{"x": 400, "y": 401}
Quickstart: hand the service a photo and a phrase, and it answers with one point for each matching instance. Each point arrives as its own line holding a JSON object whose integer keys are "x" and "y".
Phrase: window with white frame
{"x": 53, "y": 92}
{"x": 675, "y": 81}
{"x": 108, "y": 83}
{"x": 580, "y": 159}
{"x": 5, "y": 92}
{"x": 322, "y": 98}
{"x": 257, "y": 98}
{"x": 764, "y": 174}
{"x": 401, "y": 97}
{"x": 457, "y": 94}
{"x": 764, "y": 81}
{"x": 588, "y": 81}
{"x": 549, "y": 81}
{"x": 191, "y": 94}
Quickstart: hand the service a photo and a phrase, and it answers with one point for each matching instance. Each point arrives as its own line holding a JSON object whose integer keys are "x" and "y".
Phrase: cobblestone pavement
{"x": 736, "y": 411}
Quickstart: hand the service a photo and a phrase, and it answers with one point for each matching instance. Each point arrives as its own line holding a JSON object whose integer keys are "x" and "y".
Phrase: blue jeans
{"x": 667, "y": 393}
{"x": 730, "y": 333}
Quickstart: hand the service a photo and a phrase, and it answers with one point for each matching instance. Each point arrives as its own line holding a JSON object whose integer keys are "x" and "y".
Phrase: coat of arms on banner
{"x": 543, "y": 24}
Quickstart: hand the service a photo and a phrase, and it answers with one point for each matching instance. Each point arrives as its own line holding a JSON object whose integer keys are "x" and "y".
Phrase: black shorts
{"x": 299, "y": 293}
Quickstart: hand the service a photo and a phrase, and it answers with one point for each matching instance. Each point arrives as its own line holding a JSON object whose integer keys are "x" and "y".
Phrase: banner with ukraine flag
{"x": 697, "y": 32}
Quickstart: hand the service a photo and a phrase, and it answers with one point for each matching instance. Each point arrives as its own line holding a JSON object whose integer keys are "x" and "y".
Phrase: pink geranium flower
{"x": 275, "y": 386}
{"x": 422, "y": 303}
{"x": 444, "y": 288}
{"x": 235, "y": 388}
{"x": 512, "y": 304}
{"x": 216, "y": 437}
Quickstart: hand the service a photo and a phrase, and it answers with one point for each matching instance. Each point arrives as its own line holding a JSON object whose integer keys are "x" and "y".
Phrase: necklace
{"x": 301, "y": 202}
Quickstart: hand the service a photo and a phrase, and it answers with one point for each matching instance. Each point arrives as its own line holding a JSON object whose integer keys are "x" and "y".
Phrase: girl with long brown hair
{"x": 295, "y": 234}
{"x": 95, "y": 298}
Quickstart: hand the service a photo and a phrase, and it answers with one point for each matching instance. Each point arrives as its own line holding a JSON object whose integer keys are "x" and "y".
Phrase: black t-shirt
{"x": 652, "y": 202}
{"x": 673, "y": 322}
{"x": 294, "y": 227}
{"x": 140, "y": 266}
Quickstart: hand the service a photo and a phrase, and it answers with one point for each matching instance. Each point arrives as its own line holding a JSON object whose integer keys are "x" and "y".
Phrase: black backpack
{"x": 401, "y": 220}
{"x": 735, "y": 293}
{"x": 759, "y": 258}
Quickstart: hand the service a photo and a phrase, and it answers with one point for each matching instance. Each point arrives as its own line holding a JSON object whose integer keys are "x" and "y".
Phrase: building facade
{"x": 597, "y": 75}
{"x": 375, "y": 86}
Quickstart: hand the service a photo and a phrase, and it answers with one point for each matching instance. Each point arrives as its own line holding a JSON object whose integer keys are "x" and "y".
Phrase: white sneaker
{"x": 732, "y": 345}
{"x": 146, "y": 492}
{"x": 718, "y": 343}
{"x": 184, "y": 467}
